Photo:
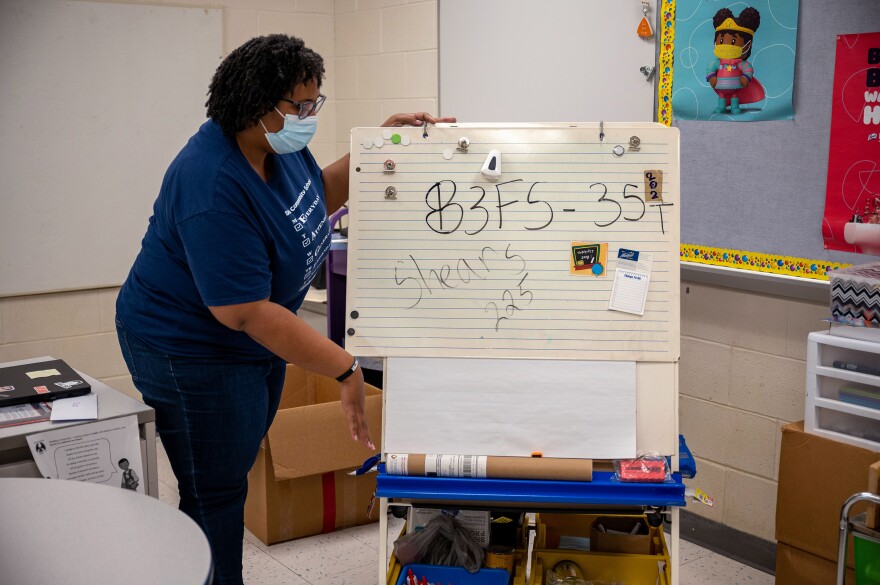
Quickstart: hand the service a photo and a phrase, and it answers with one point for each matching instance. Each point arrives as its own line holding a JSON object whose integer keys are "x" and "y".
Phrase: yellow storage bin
{"x": 630, "y": 569}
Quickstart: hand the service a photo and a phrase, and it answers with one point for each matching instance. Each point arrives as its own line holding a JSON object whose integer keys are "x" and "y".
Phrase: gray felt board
{"x": 761, "y": 186}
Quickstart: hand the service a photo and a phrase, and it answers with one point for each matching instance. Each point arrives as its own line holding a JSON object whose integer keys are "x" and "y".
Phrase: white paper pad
{"x": 83, "y": 407}
{"x": 631, "y": 280}
{"x": 562, "y": 408}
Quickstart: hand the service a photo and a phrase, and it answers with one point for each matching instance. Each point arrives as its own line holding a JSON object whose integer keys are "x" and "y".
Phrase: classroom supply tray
{"x": 603, "y": 490}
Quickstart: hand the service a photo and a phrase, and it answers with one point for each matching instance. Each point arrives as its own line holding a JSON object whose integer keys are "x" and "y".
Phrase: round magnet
{"x": 395, "y": 138}
{"x": 405, "y": 140}
{"x": 597, "y": 269}
{"x": 618, "y": 150}
{"x": 368, "y": 143}
{"x": 386, "y": 134}
{"x": 379, "y": 142}
{"x": 447, "y": 154}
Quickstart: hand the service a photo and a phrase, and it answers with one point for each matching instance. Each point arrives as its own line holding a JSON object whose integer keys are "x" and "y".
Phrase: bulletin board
{"x": 754, "y": 193}
{"x": 97, "y": 99}
{"x": 443, "y": 262}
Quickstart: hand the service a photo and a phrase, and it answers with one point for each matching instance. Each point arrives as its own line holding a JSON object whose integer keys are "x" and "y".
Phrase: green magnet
{"x": 395, "y": 138}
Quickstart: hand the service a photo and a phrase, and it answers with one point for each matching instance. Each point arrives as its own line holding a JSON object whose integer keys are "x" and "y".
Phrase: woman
{"x": 207, "y": 317}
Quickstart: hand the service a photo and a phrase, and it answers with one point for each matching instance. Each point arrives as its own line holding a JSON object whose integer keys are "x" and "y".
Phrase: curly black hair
{"x": 749, "y": 18}
{"x": 255, "y": 76}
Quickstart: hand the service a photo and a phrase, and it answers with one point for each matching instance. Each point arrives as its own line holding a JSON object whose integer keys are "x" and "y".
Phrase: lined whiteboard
{"x": 455, "y": 265}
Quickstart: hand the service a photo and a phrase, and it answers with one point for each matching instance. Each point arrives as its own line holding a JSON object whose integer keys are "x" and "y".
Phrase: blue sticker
{"x": 624, "y": 254}
{"x": 597, "y": 269}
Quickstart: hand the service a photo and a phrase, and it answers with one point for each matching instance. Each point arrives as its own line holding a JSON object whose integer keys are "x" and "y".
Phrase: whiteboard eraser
{"x": 492, "y": 167}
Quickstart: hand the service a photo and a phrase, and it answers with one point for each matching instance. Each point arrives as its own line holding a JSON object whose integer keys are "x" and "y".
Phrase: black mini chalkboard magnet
{"x": 492, "y": 167}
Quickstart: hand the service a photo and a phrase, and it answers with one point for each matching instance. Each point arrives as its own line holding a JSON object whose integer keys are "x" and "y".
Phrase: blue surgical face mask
{"x": 294, "y": 135}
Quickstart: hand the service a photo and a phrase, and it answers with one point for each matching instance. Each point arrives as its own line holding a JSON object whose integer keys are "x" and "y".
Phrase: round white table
{"x": 77, "y": 533}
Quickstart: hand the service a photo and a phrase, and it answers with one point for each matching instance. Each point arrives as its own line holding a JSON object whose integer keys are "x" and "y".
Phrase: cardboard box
{"x": 476, "y": 522}
{"x": 872, "y": 519}
{"x": 299, "y": 484}
{"x": 816, "y": 476}
{"x": 797, "y": 567}
{"x": 621, "y": 534}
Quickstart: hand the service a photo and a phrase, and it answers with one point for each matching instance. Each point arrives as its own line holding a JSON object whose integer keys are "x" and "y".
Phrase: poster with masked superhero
{"x": 734, "y": 61}
{"x": 852, "y": 198}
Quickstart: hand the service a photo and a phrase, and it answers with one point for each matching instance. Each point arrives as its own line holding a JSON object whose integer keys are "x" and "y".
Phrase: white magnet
{"x": 379, "y": 142}
{"x": 618, "y": 150}
{"x": 447, "y": 154}
{"x": 492, "y": 167}
{"x": 368, "y": 143}
{"x": 386, "y": 134}
{"x": 405, "y": 140}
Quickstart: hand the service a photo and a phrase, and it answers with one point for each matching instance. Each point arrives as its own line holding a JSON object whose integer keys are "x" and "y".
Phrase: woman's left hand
{"x": 417, "y": 119}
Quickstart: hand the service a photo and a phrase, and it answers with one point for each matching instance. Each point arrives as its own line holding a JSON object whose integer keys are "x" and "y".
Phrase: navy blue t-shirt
{"x": 220, "y": 235}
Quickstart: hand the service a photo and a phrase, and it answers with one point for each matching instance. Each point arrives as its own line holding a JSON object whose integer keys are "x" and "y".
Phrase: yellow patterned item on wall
{"x": 666, "y": 8}
{"x": 759, "y": 262}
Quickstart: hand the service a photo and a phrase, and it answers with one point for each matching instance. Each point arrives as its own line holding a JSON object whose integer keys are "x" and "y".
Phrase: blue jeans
{"x": 211, "y": 414}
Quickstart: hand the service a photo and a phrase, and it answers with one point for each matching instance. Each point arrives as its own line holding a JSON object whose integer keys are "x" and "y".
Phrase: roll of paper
{"x": 483, "y": 466}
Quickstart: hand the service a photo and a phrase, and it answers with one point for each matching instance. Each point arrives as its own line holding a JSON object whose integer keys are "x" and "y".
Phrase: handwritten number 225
{"x": 507, "y": 296}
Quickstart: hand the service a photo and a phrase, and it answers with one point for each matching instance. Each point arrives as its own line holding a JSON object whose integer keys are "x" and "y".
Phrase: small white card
{"x": 83, "y": 407}
{"x": 631, "y": 279}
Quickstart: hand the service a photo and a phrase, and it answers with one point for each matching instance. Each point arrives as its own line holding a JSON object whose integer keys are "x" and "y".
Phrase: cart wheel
{"x": 655, "y": 519}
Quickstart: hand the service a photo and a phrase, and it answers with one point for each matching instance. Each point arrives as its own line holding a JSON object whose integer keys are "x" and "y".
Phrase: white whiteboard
{"x": 526, "y": 61}
{"x": 97, "y": 99}
{"x": 504, "y": 408}
{"x": 494, "y": 281}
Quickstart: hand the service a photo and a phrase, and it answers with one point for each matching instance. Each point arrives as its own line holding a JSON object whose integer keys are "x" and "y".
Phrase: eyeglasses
{"x": 309, "y": 107}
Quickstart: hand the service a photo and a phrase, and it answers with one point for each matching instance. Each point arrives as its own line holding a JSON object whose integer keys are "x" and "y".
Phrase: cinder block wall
{"x": 743, "y": 354}
{"x": 386, "y": 62}
{"x": 743, "y": 374}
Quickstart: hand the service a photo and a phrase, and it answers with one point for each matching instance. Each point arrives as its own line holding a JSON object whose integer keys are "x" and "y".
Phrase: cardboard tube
{"x": 482, "y": 466}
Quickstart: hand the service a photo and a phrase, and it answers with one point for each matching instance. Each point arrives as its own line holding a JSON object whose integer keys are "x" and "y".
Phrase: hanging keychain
{"x": 644, "y": 29}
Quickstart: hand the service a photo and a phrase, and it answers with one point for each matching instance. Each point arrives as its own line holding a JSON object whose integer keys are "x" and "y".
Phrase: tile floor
{"x": 350, "y": 557}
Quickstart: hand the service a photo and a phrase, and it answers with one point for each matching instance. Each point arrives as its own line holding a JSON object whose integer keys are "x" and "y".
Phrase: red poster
{"x": 852, "y": 199}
